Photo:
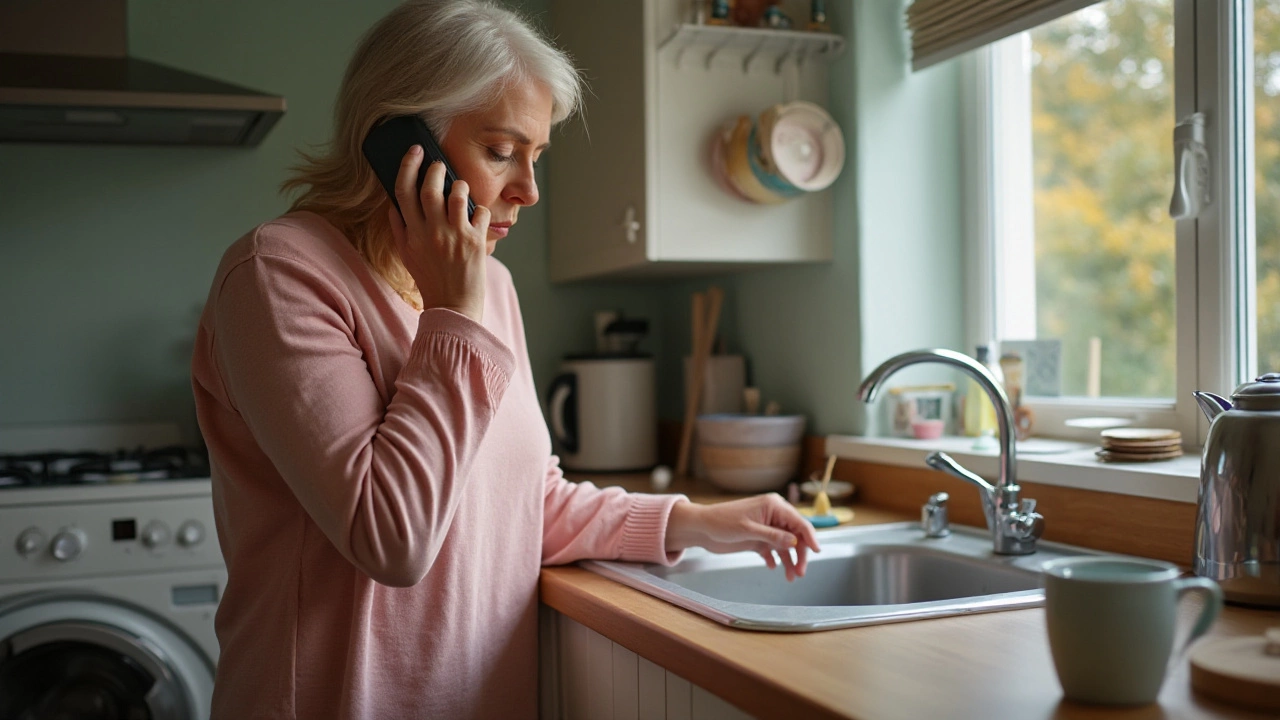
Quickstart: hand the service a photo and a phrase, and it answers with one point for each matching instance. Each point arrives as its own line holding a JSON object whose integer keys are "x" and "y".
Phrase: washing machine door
{"x": 73, "y": 656}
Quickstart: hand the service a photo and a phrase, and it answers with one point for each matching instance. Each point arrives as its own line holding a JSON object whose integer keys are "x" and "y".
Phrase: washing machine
{"x": 107, "y": 599}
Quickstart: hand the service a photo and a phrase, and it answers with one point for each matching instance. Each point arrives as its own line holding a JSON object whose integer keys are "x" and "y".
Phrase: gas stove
{"x": 89, "y": 467}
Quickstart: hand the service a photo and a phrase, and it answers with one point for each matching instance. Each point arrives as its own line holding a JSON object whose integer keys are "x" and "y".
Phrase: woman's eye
{"x": 499, "y": 157}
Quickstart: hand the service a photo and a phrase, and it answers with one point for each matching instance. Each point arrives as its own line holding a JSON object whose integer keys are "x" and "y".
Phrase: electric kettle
{"x": 603, "y": 415}
{"x": 1238, "y": 521}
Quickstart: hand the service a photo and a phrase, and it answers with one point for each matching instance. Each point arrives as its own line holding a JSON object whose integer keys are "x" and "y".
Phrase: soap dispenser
{"x": 979, "y": 413}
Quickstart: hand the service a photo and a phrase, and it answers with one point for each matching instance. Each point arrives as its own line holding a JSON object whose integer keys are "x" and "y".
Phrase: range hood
{"x": 65, "y": 76}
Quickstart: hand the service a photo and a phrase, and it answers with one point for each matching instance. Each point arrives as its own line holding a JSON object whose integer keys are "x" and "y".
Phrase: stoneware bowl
{"x": 733, "y": 430}
{"x": 802, "y": 145}
{"x": 749, "y": 469}
{"x": 738, "y": 152}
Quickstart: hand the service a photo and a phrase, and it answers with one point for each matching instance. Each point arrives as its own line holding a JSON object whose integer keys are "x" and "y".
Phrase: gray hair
{"x": 443, "y": 58}
{"x": 438, "y": 59}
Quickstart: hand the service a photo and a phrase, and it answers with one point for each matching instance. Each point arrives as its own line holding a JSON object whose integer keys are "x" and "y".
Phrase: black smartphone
{"x": 385, "y": 148}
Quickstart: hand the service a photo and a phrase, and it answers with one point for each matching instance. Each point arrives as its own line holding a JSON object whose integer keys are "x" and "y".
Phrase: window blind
{"x": 943, "y": 29}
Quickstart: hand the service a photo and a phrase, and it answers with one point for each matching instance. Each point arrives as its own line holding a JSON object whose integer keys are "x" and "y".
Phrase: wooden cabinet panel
{"x": 652, "y": 697}
{"x": 601, "y": 680}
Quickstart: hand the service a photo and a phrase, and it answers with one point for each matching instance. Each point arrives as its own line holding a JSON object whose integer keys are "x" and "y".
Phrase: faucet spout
{"x": 1004, "y": 412}
{"x": 1014, "y": 524}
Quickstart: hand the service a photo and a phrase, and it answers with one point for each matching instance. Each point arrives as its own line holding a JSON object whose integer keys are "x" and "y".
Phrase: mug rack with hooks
{"x": 755, "y": 44}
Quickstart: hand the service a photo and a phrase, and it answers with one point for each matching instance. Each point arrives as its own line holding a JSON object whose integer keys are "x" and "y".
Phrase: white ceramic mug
{"x": 1111, "y": 624}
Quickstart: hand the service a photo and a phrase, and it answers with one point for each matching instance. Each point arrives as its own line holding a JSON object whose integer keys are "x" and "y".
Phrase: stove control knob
{"x": 190, "y": 534}
{"x": 30, "y": 542}
{"x": 155, "y": 534}
{"x": 68, "y": 544}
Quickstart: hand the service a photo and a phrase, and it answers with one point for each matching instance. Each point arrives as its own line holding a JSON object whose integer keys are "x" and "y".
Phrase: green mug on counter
{"x": 1111, "y": 624}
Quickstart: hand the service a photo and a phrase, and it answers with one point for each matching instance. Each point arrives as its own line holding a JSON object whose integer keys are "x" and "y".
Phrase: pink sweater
{"x": 384, "y": 489}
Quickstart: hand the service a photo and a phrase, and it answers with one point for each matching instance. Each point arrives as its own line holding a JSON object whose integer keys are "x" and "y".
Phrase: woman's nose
{"x": 524, "y": 189}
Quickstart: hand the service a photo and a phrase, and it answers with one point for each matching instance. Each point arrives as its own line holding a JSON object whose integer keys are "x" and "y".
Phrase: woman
{"x": 384, "y": 486}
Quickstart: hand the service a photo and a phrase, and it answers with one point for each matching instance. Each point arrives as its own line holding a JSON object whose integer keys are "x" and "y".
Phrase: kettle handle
{"x": 564, "y": 414}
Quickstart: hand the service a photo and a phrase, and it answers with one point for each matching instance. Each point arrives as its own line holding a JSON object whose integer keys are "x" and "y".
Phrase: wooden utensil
{"x": 822, "y": 503}
{"x": 706, "y": 316}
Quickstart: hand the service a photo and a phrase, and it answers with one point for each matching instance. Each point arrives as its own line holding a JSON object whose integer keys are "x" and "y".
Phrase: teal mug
{"x": 1111, "y": 624}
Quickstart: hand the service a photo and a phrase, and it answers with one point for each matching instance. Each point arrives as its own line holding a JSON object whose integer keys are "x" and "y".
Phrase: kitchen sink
{"x": 865, "y": 575}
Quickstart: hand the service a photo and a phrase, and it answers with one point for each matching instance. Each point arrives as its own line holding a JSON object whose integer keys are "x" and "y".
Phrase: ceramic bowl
{"x": 749, "y": 469}
{"x": 802, "y": 145}
{"x": 719, "y": 163}
{"x": 733, "y": 430}
{"x": 738, "y": 153}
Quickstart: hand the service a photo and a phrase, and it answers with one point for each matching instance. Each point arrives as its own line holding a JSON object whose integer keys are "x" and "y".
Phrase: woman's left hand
{"x": 765, "y": 524}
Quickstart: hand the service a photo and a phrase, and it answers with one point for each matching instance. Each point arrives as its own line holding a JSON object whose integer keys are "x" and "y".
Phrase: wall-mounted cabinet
{"x": 632, "y": 192}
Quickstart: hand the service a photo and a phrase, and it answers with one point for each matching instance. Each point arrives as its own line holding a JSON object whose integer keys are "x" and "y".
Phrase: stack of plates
{"x": 1140, "y": 444}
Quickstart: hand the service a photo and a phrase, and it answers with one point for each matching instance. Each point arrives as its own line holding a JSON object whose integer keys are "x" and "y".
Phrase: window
{"x": 1077, "y": 265}
{"x": 1266, "y": 150}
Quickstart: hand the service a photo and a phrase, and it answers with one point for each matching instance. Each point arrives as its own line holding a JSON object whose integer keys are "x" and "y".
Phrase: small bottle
{"x": 1012, "y": 366}
{"x": 818, "y": 16}
{"x": 721, "y": 12}
{"x": 698, "y": 12}
{"x": 979, "y": 412}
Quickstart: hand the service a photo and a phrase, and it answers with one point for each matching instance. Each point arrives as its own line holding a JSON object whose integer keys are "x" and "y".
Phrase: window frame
{"x": 1214, "y": 252}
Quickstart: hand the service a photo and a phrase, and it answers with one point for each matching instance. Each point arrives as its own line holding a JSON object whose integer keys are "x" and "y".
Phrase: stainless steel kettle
{"x": 1238, "y": 521}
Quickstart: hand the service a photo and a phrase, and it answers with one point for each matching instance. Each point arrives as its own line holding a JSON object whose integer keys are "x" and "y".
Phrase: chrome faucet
{"x": 1014, "y": 524}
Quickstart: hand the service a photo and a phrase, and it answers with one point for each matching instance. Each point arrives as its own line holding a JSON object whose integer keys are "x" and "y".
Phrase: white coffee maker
{"x": 602, "y": 407}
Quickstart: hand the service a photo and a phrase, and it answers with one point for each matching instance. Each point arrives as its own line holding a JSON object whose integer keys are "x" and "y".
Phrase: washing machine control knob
{"x": 68, "y": 544}
{"x": 155, "y": 534}
{"x": 190, "y": 533}
{"x": 30, "y": 542}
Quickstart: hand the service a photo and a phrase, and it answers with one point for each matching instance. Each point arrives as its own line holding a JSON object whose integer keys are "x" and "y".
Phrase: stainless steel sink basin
{"x": 864, "y": 575}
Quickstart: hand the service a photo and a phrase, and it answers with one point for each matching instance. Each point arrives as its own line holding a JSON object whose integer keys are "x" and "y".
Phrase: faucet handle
{"x": 1028, "y": 524}
{"x": 943, "y": 462}
{"x": 933, "y": 516}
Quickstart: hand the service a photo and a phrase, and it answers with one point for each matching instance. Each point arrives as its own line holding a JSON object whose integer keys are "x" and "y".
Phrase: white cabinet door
{"x": 632, "y": 193}
{"x": 596, "y": 197}
{"x": 601, "y": 680}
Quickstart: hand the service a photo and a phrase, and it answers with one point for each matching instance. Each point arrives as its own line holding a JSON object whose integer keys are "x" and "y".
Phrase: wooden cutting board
{"x": 1239, "y": 670}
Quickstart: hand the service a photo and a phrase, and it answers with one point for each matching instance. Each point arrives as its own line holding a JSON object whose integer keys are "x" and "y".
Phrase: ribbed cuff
{"x": 644, "y": 533}
{"x": 440, "y": 329}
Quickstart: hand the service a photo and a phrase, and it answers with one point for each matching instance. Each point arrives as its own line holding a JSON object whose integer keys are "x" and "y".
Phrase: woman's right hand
{"x": 443, "y": 251}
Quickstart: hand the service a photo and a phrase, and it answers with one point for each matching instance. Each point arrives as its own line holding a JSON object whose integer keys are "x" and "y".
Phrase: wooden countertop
{"x": 992, "y": 665}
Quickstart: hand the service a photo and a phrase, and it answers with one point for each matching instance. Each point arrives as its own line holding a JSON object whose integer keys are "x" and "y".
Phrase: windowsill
{"x": 1040, "y": 460}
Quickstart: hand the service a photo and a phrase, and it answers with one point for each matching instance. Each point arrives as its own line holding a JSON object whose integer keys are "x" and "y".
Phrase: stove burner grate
{"x": 92, "y": 468}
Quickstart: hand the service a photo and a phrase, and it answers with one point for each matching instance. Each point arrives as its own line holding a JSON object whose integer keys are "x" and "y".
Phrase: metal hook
{"x": 746, "y": 61}
{"x": 777, "y": 68}
{"x": 714, "y": 51}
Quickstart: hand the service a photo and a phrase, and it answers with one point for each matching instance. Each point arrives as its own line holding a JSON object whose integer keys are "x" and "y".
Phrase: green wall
{"x": 108, "y": 252}
{"x": 895, "y": 283}
{"x": 910, "y": 220}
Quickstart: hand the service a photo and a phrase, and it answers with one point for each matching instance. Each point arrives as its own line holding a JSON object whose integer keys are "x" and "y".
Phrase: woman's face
{"x": 495, "y": 150}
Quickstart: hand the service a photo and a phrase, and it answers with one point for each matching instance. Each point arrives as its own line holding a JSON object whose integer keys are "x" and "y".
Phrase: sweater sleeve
{"x": 382, "y": 481}
{"x": 583, "y": 521}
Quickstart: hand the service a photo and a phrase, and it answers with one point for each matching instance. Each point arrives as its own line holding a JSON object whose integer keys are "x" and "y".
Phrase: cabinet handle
{"x": 630, "y": 225}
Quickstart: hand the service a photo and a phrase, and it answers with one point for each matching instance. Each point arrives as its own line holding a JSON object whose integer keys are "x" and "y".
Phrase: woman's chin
{"x": 490, "y": 246}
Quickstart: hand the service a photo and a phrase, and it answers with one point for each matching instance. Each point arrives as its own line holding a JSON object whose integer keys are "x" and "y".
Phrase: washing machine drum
{"x": 80, "y": 656}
